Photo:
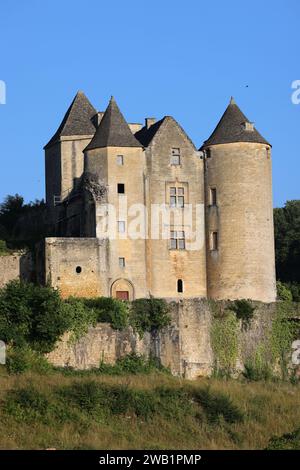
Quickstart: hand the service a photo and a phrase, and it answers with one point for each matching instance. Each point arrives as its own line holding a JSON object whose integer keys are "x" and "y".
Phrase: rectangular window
{"x": 214, "y": 241}
{"x": 176, "y": 197}
{"x": 175, "y": 156}
{"x": 121, "y": 188}
{"x": 213, "y": 196}
{"x": 121, "y": 226}
{"x": 177, "y": 240}
{"x": 122, "y": 262}
{"x": 120, "y": 160}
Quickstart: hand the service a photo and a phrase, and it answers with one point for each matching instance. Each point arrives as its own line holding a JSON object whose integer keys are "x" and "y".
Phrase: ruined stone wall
{"x": 18, "y": 265}
{"x": 184, "y": 346}
{"x": 76, "y": 266}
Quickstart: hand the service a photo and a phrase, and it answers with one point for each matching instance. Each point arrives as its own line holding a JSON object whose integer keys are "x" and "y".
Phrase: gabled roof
{"x": 77, "y": 120}
{"x": 113, "y": 130}
{"x": 146, "y": 135}
{"x": 231, "y": 128}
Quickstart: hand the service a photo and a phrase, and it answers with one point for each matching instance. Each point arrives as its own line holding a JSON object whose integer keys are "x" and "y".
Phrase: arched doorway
{"x": 122, "y": 289}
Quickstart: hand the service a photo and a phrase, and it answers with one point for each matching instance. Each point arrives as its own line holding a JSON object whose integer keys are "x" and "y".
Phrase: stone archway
{"x": 122, "y": 289}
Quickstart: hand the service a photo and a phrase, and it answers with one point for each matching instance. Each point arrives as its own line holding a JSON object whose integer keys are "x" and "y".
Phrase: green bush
{"x": 149, "y": 315}
{"x": 290, "y": 441}
{"x": 218, "y": 405}
{"x": 254, "y": 372}
{"x": 283, "y": 292}
{"x": 20, "y": 360}
{"x": 102, "y": 400}
{"x": 80, "y": 316}
{"x": 3, "y": 248}
{"x": 27, "y": 404}
{"x": 244, "y": 311}
{"x": 109, "y": 310}
{"x": 132, "y": 364}
{"x": 32, "y": 315}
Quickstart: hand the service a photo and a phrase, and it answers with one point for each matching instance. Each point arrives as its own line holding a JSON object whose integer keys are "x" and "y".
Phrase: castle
{"x": 137, "y": 210}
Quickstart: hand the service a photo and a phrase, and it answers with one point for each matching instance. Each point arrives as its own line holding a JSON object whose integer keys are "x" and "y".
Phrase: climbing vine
{"x": 224, "y": 341}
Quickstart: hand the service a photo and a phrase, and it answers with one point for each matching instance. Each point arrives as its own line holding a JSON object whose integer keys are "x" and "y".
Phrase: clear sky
{"x": 160, "y": 57}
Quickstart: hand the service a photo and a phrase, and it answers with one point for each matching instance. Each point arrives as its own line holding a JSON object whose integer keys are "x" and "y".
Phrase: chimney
{"x": 149, "y": 122}
{"x": 97, "y": 118}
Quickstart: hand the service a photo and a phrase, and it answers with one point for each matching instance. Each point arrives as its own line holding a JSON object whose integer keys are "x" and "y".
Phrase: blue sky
{"x": 180, "y": 58}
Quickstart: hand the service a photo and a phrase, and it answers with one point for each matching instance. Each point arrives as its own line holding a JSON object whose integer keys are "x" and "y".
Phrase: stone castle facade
{"x": 138, "y": 210}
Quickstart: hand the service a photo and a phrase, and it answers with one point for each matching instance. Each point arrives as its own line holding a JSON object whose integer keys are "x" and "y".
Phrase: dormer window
{"x": 249, "y": 126}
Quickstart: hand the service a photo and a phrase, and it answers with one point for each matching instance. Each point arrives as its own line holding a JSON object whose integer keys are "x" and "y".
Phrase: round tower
{"x": 239, "y": 211}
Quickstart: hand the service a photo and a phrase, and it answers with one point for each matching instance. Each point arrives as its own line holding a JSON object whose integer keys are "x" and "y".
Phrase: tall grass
{"x": 154, "y": 411}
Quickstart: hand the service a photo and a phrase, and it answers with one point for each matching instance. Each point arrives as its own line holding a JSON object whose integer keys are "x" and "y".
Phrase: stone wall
{"x": 18, "y": 265}
{"x": 184, "y": 347}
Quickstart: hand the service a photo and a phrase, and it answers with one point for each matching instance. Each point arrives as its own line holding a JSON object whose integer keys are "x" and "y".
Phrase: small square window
{"x": 122, "y": 262}
{"x": 120, "y": 160}
{"x": 121, "y": 226}
{"x": 121, "y": 188}
{"x": 180, "y": 191}
{"x": 172, "y": 191}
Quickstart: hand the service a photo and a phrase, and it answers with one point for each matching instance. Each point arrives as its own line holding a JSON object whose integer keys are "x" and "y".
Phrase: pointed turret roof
{"x": 113, "y": 130}
{"x": 232, "y": 128}
{"x": 77, "y": 120}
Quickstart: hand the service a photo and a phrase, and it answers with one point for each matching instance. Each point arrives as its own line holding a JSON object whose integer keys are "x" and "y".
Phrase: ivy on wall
{"x": 224, "y": 341}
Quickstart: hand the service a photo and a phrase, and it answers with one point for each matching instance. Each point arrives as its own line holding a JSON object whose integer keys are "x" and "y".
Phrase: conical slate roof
{"x": 77, "y": 120}
{"x": 231, "y": 128}
{"x": 113, "y": 130}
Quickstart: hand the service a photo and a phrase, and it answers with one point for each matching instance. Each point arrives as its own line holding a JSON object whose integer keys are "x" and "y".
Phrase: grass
{"x": 138, "y": 411}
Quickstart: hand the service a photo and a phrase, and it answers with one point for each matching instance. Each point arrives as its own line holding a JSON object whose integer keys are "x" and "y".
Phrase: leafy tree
{"x": 287, "y": 241}
{"x": 22, "y": 224}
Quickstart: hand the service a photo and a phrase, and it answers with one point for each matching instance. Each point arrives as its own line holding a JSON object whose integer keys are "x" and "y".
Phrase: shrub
{"x": 217, "y": 405}
{"x": 283, "y": 292}
{"x": 27, "y": 404}
{"x": 133, "y": 364}
{"x": 149, "y": 315}
{"x": 109, "y": 310}
{"x": 20, "y": 360}
{"x": 255, "y": 372}
{"x": 31, "y": 315}
{"x": 3, "y": 248}
{"x": 295, "y": 290}
{"x": 244, "y": 311}
{"x": 102, "y": 400}
{"x": 290, "y": 441}
{"x": 80, "y": 316}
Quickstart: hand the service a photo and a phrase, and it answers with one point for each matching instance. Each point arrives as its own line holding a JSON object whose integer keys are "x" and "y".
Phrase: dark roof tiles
{"x": 113, "y": 130}
{"x": 231, "y": 128}
{"x": 77, "y": 120}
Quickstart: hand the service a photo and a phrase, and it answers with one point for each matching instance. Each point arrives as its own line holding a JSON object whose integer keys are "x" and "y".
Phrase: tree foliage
{"x": 21, "y": 224}
{"x": 287, "y": 241}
